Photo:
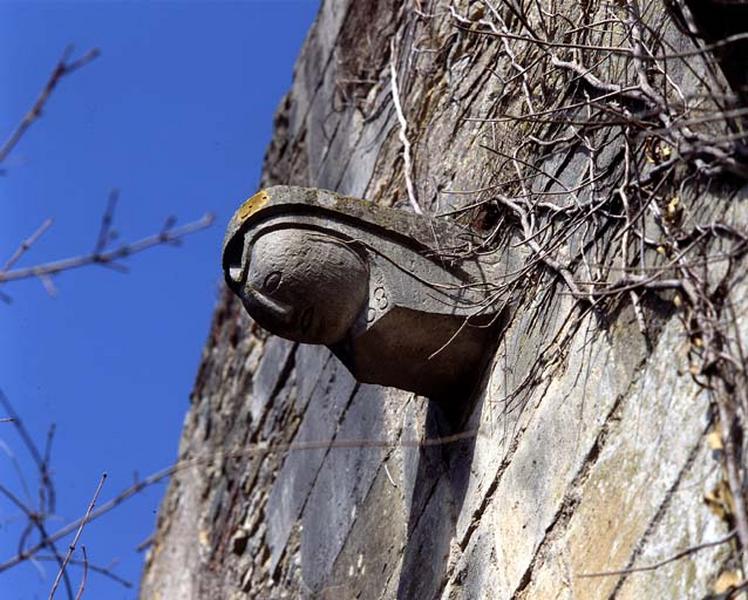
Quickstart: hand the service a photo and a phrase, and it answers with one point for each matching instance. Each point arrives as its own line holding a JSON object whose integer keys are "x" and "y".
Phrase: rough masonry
{"x": 594, "y": 449}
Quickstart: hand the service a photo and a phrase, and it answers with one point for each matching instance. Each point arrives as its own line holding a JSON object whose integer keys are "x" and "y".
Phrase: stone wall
{"x": 591, "y": 452}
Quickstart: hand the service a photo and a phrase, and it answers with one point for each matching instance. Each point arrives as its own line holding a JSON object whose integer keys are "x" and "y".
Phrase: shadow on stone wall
{"x": 441, "y": 481}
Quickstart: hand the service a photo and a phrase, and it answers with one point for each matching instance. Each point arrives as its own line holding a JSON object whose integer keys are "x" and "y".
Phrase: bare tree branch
{"x": 74, "y": 543}
{"x": 26, "y": 244}
{"x": 407, "y": 160}
{"x": 168, "y": 235}
{"x": 82, "y": 586}
{"x": 63, "y": 68}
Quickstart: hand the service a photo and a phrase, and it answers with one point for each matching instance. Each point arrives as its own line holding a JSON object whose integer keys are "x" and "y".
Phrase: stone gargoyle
{"x": 391, "y": 293}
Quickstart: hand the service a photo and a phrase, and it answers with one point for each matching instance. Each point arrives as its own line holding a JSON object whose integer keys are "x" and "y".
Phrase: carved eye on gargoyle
{"x": 272, "y": 282}
{"x": 302, "y": 285}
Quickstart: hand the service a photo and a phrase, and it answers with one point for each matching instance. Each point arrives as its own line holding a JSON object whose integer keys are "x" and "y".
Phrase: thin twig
{"x": 105, "y": 571}
{"x": 106, "y": 222}
{"x": 728, "y": 424}
{"x": 257, "y": 449}
{"x": 62, "y": 69}
{"x": 36, "y": 521}
{"x": 654, "y": 566}
{"x": 387, "y": 472}
{"x": 110, "y": 257}
{"x": 146, "y": 543}
{"x": 23, "y": 433}
{"x": 408, "y": 163}
{"x": 74, "y": 543}
{"x": 82, "y": 586}
{"x": 26, "y": 244}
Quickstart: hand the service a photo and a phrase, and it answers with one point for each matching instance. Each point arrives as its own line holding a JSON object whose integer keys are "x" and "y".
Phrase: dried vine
{"x": 601, "y": 93}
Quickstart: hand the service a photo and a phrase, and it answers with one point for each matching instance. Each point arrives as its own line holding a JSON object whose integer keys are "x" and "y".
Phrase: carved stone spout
{"x": 385, "y": 290}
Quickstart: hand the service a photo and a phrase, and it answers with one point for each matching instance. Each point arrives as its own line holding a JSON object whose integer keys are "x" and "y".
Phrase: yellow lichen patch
{"x": 720, "y": 500}
{"x": 656, "y": 151}
{"x": 714, "y": 439}
{"x": 727, "y": 581}
{"x": 673, "y": 207}
{"x": 251, "y": 206}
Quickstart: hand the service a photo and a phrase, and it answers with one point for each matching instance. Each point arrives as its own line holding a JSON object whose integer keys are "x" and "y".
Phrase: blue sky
{"x": 176, "y": 113}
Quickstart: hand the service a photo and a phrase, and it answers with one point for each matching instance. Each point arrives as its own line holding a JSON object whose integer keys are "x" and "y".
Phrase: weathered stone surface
{"x": 300, "y": 470}
{"x": 591, "y": 453}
